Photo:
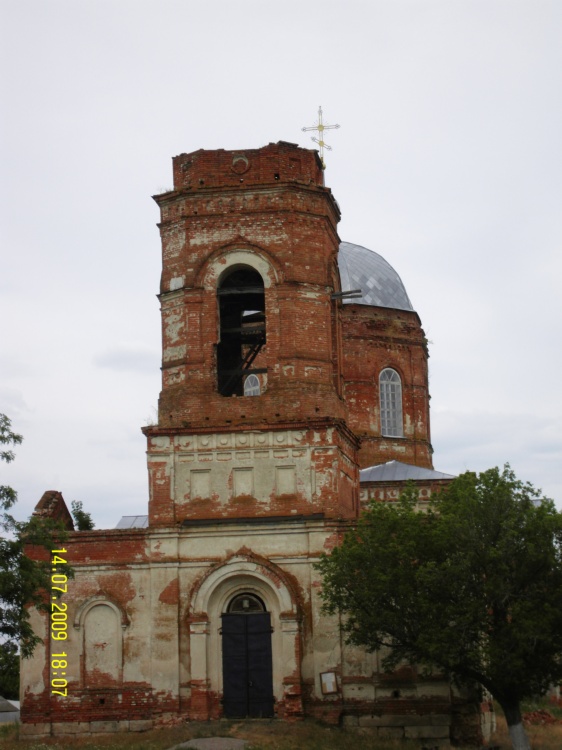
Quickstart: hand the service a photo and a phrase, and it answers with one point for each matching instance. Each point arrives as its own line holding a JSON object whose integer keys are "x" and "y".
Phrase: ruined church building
{"x": 286, "y": 405}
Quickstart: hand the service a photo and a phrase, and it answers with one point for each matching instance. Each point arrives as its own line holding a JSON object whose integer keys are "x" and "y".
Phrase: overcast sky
{"x": 448, "y": 162}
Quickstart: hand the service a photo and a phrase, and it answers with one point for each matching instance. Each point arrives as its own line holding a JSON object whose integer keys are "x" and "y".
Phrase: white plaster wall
{"x": 163, "y": 647}
{"x": 32, "y": 669}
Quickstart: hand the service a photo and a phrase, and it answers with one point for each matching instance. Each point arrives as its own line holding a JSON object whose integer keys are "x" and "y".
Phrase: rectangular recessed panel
{"x": 286, "y": 483}
{"x": 200, "y": 483}
{"x": 243, "y": 482}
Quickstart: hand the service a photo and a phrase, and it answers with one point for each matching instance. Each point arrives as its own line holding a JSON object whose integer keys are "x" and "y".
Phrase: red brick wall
{"x": 376, "y": 338}
{"x": 279, "y": 211}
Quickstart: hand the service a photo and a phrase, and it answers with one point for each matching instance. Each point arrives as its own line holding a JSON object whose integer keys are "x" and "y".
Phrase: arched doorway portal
{"x": 247, "y": 658}
{"x": 222, "y": 591}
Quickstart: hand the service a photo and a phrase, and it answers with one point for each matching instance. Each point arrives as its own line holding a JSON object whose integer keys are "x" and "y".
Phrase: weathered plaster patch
{"x": 177, "y": 283}
{"x": 174, "y": 352}
{"x": 174, "y": 326}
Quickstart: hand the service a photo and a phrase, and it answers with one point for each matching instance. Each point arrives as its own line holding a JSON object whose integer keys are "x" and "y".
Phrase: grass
{"x": 270, "y": 735}
{"x": 550, "y": 704}
{"x": 262, "y": 735}
{"x": 541, "y": 737}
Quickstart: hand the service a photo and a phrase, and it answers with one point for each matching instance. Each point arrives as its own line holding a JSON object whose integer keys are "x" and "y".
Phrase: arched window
{"x": 252, "y": 386}
{"x": 246, "y": 604}
{"x": 102, "y": 638}
{"x": 242, "y": 328}
{"x": 390, "y": 390}
{"x": 102, "y": 624}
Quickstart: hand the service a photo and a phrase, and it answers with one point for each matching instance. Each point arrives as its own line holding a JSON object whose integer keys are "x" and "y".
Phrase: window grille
{"x": 390, "y": 388}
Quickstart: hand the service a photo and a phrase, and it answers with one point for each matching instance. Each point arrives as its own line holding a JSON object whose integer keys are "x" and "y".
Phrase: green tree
{"x": 473, "y": 586}
{"x": 9, "y": 671}
{"x": 23, "y": 581}
{"x": 82, "y": 520}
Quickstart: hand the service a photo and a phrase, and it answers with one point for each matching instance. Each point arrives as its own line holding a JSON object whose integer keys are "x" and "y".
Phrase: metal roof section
{"x": 9, "y": 710}
{"x": 396, "y": 471}
{"x": 364, "y": 269}
{"x": 133, "y": 522}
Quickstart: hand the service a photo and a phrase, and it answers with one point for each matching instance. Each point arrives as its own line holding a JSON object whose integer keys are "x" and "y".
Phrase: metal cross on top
{"x": 320, "y": 127}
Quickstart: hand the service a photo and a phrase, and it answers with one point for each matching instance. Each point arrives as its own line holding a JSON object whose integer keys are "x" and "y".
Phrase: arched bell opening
{"x": 241, "y": 300}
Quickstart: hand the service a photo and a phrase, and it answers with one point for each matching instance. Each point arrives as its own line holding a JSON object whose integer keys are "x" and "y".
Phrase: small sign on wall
{"x": 329, "y": 683}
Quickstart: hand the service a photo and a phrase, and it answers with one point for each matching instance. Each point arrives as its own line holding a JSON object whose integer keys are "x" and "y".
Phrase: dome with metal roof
{"x": 368, "y": 271}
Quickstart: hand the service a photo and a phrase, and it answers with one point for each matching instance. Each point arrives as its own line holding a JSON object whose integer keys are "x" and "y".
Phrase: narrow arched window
{"x": 102, "y": 646}
{"x": 242, "y": 329}
{"x": 390, "y": 390}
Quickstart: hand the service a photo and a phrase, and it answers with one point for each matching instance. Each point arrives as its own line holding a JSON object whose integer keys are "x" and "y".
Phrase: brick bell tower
{"x": 251, "y": 419}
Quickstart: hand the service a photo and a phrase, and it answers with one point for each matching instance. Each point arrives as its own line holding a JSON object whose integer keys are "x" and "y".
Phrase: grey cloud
{"x": 128, "y": 359}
